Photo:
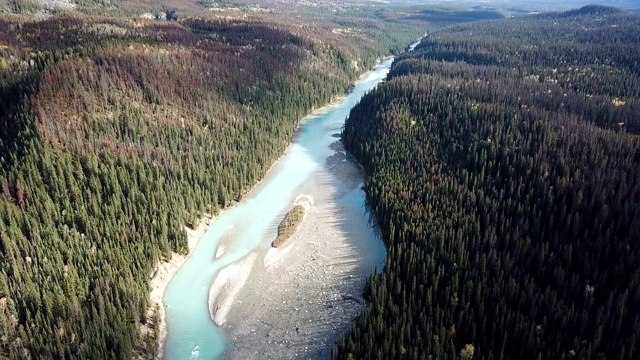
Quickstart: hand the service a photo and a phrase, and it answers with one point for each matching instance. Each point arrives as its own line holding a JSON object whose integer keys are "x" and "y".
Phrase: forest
{"x": 502, "y": 160}
{"x": 115, "y": 133}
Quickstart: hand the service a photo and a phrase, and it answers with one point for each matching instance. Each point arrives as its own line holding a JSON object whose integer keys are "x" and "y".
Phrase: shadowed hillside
{"x": 503, "y": 160}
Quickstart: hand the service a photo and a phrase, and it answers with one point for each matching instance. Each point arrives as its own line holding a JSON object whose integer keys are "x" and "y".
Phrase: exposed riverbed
{"x": 294, "y": 301}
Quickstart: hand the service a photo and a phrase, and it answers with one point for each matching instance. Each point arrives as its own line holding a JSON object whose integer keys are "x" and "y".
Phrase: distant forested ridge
{"x": 503, "y": 161}
{"x": 115, "y": 133}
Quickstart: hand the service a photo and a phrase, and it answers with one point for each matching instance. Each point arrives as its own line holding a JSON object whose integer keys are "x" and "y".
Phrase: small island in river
{"x": 289, "y": 225}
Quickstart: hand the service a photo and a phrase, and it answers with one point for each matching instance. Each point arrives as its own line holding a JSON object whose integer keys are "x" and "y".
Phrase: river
{"x": 249, "y": 227}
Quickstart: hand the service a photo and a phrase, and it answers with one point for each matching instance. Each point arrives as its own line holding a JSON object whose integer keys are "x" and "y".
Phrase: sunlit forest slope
{"x": 115, "y": 133}
{"x": 503, "y": 161}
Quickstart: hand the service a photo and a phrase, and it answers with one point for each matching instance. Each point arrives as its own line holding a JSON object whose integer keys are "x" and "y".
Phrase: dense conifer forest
{"x": 115, "y": 133}
{"x": 503, "y": 160}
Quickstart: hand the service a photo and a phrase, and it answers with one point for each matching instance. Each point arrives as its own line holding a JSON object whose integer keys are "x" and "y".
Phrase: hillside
{"x": 502, "y": 159}
{"x": 115, "y": 133}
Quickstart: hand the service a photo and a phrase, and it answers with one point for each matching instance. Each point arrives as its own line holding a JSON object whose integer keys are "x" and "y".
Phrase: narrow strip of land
{"x": 289, "y": 225}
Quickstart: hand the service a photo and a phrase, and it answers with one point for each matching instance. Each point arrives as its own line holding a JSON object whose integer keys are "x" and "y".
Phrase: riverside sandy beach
{"x": 300, "y": 298}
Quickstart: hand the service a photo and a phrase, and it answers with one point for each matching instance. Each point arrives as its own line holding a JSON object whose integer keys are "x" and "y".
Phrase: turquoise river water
{"x": 250, "y": 225}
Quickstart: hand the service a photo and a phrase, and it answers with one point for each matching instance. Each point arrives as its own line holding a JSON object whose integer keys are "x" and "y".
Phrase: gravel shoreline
{"x": 301, "y": 298}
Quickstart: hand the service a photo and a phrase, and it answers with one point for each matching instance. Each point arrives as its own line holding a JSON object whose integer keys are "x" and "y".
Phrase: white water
{"x": 250, "y": 226}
